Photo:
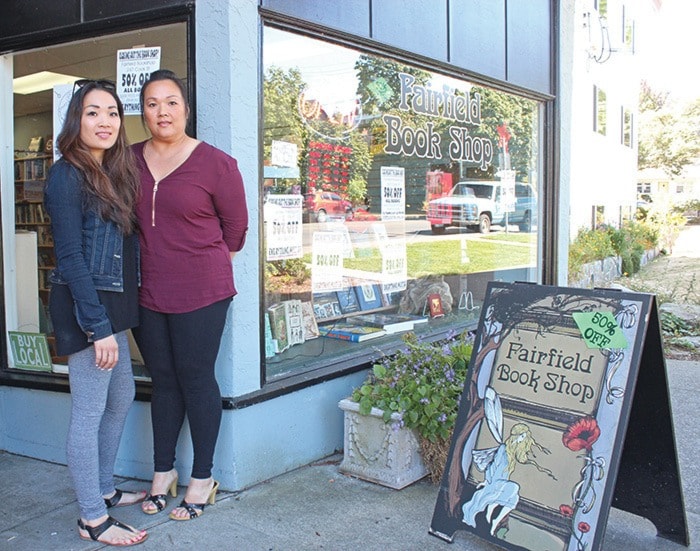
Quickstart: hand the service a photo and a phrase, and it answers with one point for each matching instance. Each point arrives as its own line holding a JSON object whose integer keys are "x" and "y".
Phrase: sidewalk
{"x": 315, "y": 507}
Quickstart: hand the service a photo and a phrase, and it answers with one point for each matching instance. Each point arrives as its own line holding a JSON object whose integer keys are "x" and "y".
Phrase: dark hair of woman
{"x": 164, "y": 74}
{"x": 112, "y": 186}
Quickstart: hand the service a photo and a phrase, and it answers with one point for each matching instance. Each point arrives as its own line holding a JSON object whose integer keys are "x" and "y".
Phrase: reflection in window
{"x": 388, "y": 191}
{"x": 626, "y": 127}
{"x": 627, "y": 30}
{"x": 600, "y": 117}
{"x": 602, "y": 7}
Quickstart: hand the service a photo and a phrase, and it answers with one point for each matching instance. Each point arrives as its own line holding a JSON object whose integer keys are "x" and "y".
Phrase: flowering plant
{"x": 422, "y": 383}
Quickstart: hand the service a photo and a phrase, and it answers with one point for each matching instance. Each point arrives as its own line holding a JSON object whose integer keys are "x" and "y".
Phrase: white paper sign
{"x": 393, "y": 183}
{"x": 134, "y": 66}
{"x": 327, "y": 262}
{"x": 62, "y": 94}
{"x": 394, "y": 266}
{"x": 283, "y": 226}
{"x": 283, "y": 153}
{"x": 508, "y": 185}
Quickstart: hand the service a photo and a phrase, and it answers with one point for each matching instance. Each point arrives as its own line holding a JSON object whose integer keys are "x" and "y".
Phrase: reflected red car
{"x": 322, "y": 205}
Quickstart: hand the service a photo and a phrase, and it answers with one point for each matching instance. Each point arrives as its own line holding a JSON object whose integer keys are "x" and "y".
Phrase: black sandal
{"x": 195, "y": 510}
{"x": 159, "y": 500}
{"x": 96, "y": 531}
{"x": 115, "y": 500}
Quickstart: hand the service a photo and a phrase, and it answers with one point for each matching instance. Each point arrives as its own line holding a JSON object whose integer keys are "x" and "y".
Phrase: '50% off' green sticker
{"x": 600, "y": 330}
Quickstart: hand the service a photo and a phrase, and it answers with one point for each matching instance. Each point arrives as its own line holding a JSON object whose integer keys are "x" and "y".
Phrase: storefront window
{"x": 43, "y": 81}
{"x": 389, "y": 191}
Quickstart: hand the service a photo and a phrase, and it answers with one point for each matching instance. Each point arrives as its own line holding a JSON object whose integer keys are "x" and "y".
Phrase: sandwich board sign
{"x": 560, "y": 382}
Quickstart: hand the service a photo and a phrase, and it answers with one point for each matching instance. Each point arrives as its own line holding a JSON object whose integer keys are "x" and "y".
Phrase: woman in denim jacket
{"x": 90, "y": 196}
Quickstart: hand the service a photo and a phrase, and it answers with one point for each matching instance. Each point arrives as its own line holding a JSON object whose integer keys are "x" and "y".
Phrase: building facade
{"x": 605, "y": 81}
{"x": 352, "y": 124}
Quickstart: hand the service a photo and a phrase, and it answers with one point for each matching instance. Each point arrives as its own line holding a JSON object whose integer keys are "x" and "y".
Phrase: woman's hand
{"x": 106, "y": 353}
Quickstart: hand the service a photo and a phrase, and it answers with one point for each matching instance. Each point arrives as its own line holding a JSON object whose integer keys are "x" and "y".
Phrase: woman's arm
{"x": 230, "y": 204}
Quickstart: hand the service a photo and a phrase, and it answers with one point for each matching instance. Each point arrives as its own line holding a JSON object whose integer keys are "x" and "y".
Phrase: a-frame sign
{"x": 564, "y": 389}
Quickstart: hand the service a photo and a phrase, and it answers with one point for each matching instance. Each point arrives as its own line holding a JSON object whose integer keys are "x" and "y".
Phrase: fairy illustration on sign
{"x": 498, "y": 463}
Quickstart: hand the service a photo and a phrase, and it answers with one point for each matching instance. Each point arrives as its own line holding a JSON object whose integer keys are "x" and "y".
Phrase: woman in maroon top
{"x": 192, "y": 220}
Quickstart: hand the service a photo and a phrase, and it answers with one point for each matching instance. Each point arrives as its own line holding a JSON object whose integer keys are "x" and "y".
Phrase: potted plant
{"x": 399, "y": 422}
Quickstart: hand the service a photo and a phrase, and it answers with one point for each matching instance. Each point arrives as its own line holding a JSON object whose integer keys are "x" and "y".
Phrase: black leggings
{"x": 180, "y": 353}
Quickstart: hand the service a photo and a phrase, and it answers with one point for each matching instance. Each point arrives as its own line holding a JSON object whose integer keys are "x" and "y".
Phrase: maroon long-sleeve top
{"x": 188, "y": 224}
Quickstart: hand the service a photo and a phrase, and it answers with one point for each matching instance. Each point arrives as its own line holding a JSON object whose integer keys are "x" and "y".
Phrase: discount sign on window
{"x": 134, "y": 66}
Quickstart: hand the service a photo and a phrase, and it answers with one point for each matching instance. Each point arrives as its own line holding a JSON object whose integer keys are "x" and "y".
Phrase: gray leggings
{"x": 101, "y": 401}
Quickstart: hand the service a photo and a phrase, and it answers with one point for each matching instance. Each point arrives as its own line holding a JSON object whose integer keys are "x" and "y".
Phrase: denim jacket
{"x": 88, "y": 249}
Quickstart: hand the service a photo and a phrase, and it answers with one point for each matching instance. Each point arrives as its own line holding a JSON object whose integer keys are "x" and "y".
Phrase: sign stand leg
{"x": 648, "y": 482}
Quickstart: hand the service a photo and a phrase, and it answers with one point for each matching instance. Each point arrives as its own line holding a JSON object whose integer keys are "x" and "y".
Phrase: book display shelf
{"x": 348, "y": 324}
{"x": 31, "y": 170}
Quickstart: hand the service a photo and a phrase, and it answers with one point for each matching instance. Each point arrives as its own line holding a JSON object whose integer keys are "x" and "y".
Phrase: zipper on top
{"x": 153, "y": 204}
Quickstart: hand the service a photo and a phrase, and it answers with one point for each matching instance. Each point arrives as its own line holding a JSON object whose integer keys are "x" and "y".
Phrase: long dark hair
{"x": 111, "y": 187}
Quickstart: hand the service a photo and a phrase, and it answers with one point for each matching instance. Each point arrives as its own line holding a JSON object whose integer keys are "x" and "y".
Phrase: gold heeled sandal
{"x": 195, "y": 510}
{"x": 160, "y": 500}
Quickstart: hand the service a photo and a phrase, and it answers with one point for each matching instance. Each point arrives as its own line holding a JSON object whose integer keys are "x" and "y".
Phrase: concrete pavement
{"x": 315, "y": 507}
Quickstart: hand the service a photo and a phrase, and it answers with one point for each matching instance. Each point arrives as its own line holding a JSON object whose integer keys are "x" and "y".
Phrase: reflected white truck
{"x": 479, "y": 204}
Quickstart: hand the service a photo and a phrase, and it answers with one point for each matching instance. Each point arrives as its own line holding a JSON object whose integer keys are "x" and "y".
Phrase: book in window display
{"x": 309, "y": 324}
{"x": 326, "y": 306}
{"x": 435, "y": 305}
{"x": 293, "y": 318}
{"x": 369, "y": 296}
{"x": 351, "y": 332}
{"x": 348, "y": 300}
{"x": 278, "y": 324}
{"x": 391, "y": 298}
{"x": 270, "y": 341}
{"x": 391, "y": 323}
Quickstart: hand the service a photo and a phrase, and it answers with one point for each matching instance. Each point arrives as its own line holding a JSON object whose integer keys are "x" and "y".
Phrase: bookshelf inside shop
{"x": 31, "y": 169}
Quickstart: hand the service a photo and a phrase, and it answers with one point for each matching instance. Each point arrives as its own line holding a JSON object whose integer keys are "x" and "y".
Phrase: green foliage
{"x": 422, "y": 383}
{"x": 668, "y": 225}
{"x": 360, "y": 164}
{"x": 629, "y": 243}
{"x": 672, "y": 325}
{"x": 668, "y": 137}
{"x": 589, "y": 245}
{"x": 281, "y": 273}
{"x": 690, "y": 209}
{"x": 445, "y": 257}
{"x": 281, "y": 91}
{"x": 519, "y": 115}
{"x": 676, "y": 330}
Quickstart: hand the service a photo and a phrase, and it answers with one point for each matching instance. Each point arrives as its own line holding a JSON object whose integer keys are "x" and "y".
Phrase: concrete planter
{"x": 374, "y": 451}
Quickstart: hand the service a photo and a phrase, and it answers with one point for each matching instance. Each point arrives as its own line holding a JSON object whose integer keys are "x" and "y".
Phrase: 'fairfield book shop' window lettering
{"x": 403, "y": 139}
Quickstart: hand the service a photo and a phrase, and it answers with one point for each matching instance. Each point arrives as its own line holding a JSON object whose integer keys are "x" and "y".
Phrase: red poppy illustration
{"x": 566, "y": 510}
{"x": 582, "y": 434}
{"x": 584, "y": 527}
